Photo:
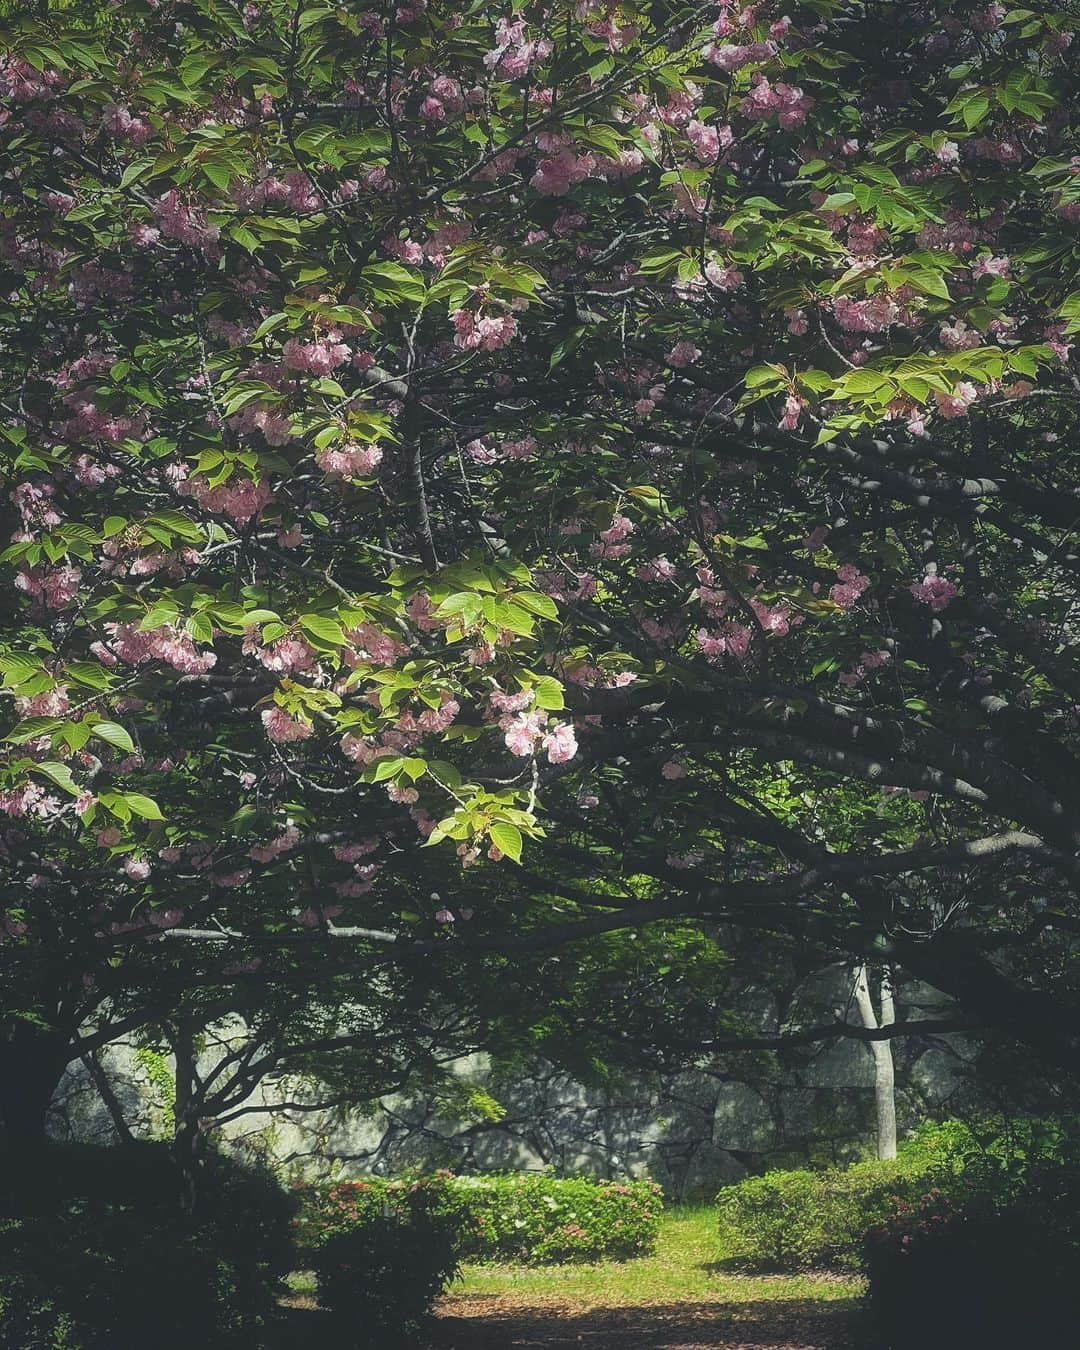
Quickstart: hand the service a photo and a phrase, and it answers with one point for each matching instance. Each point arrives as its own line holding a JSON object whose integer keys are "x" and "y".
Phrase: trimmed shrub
{"x": 382, "y": 1277}
{"x": 802, "y": 1220}
{"x": 523, "y": 1217}
{"x": 539, "y": 1219}
{"x": 95, "y": 1252}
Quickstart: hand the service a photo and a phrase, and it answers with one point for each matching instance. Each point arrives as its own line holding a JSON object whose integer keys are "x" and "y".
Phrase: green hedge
{"x": 523, "y": 1217}
{"x": 803, "y": 1220}
{"x": 539, "y": 1219}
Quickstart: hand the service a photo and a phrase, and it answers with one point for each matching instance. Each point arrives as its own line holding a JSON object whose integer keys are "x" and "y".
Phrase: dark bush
{"x": 997, "y": 1269}
{"x": 382, "y": 1278}
{"x": 382, "y": 1252}
{"x": 96, "y": 1253}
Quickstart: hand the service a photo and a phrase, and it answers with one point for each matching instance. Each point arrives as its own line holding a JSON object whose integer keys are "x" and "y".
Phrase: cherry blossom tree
{"x": 486, "y": 476}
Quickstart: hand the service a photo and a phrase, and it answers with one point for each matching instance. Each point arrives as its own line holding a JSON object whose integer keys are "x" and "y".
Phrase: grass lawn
{"x": 683, "y": 1268}
{"x": 676, "y": 1299}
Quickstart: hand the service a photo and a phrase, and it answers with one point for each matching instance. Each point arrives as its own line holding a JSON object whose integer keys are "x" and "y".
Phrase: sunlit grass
{"x": 683, "y": 1268}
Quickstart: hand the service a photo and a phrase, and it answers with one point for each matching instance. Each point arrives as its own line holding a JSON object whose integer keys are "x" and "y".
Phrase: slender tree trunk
{"x": 187, "y": 1133}
{"x": 32, "y": 1062}
{"x": 884, "y": 1068}
{"x": 108, "y": 1097}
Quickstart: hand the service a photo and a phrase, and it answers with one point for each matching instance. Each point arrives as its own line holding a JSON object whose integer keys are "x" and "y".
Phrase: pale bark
{"x": 884, "y": 1068}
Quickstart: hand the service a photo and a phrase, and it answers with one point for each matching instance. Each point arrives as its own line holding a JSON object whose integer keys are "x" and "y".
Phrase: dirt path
{"x": 481, "y": 1322}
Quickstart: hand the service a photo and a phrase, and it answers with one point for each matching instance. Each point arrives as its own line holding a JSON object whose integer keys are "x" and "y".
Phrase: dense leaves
{"x": 626, "y": 444}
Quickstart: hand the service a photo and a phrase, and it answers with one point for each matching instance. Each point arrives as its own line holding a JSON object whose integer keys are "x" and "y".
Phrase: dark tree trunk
{"x": 188, "y": 1139}
{"x": 950, "y": 962}
{"x": 32, "y": 1062}
{"x": 108, "y": 1097}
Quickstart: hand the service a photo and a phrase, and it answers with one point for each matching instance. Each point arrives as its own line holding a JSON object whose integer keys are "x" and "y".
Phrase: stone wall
{"x": 691, "y": 1132}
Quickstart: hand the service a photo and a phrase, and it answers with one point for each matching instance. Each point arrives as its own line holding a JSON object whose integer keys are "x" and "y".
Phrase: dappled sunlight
{"x": 677, "y": 1297}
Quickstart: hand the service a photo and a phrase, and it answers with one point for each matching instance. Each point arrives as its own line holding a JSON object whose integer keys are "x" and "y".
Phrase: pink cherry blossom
{"x": 282, "y": 728}
{"x": 683, "y": 354}
{"x": 351, "y": 461}
{"x": 560, "y": 743}
{"x": 935, "y": 591}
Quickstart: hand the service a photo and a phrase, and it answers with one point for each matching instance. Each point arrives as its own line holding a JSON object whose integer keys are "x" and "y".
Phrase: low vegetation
{"x": 803, "y": 1220}
{"x": 100, "y": 1254}
{"x": 683, "y": 1267}
{"x": 939, "y": 1240}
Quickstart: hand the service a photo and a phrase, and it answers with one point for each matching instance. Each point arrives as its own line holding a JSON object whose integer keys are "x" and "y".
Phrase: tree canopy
{"x": 484, "y": 476}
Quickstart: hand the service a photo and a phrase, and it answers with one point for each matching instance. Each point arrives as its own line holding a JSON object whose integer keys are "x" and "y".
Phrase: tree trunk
{"x": 187, "y": 1132}
{"x": 884, "y": 1068}
{"x": 952, "y": 963}
{"x": 32, "y": 1062}
{"x": 108, "y": 1097}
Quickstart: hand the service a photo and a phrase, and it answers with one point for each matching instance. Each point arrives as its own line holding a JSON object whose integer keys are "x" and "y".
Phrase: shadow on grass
{"x": 481, "y": 1322}
{"x": 476, "y": 1322}
{"x": 733, "y": 1266}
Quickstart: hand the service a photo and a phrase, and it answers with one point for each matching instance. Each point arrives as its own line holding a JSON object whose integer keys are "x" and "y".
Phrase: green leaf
{"x": 31, "y": 728}
{"x": 324, "y": 629}
{"x": 395, "y": 282}
{"x": 60, "y": 775}
{"x": 135, "y": 170}
{"x": 975, "y": 110}
{"x": 244, "y": 237}
{"x": 444, "y": 773}
{"x": 114, "y": 734}
{"x": 162, "y": 613}
{"x": 915, "y": 388}
{"x": 509, "y": 616}
{"x": 861, "y": 382}
{"x": 454, "y": 604}
{"x": 507, "y": 839}
{"x": 648, "y": 496}
{"x": 655, "y": 264}
{"x": 218, "y": 174}
{"x": 143, "y": 806}
{"x": 268, "y": 325}
{"x": 86, "y": 672}
{"x": 179, "y": 524}
{"x": 536, "y": 603}
{"x": 549, "y": 694}
{"x": 757, "y": 376}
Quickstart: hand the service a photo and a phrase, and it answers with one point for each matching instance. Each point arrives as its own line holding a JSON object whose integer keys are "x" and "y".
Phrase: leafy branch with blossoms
{"x": 442, "y": 437}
